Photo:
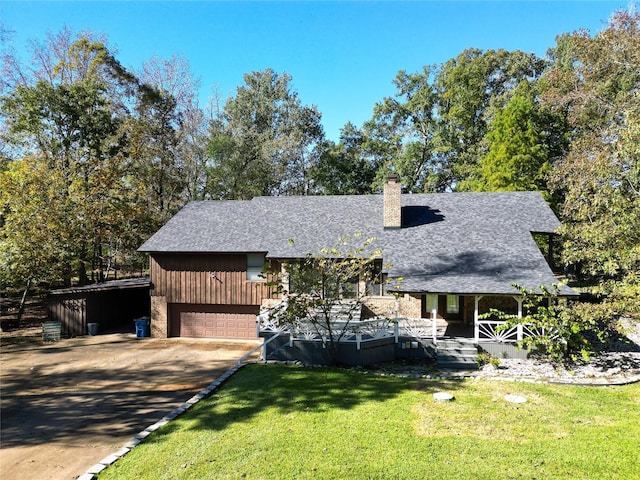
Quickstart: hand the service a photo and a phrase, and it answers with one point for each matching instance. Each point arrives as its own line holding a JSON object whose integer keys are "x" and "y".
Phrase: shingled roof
{"x": 457, "y": 243}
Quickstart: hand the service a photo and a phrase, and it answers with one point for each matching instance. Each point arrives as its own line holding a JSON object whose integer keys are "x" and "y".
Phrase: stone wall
{"x": 159, "y": 317}
{"x": 379, "y": 307}
{"x": 411, "y": 305}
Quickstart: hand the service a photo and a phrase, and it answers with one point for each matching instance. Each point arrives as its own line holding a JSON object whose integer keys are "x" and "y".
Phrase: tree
{"x": 518, "y": 157}
{"x": 595, "y": 82}
{"x": 67, "y": 172}
{"x": 343, "y": 168}
{"x": 322, "y": 291}
{"x": 180, "y": 135}
{"x": 432, "y": 132}
{"x": 561, "y": 332}
{"x": 400, "y": 136}
{"x": 264, "y": 141}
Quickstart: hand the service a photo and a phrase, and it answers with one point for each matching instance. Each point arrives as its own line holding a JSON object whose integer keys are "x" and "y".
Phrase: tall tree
{"x": 264, "y": 141}
{"x": 432, "y": 132}
{"x": 64, "y": 121}
{"x": 400, "y": 136}
{"x": 344, "y": 168}
{"x": 595, "y": 80}
{"x": 518, "y": 156}
{"x": 181, "y": 161}
{"x": 473, "y": 87}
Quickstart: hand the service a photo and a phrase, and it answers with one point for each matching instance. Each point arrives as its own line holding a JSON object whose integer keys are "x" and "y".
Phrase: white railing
{"x": 350, "y": 331}
{"x": 354, "y": 331}
{"x": 489, "y": 332}
{"x": 365, "y": 330}
{"x": 419, "y": 328}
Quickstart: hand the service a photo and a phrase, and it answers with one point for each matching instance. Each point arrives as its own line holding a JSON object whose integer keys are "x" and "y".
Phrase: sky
{"x": 342, "y": 56}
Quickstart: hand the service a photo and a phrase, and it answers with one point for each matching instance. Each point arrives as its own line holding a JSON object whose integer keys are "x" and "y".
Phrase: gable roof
{"x": 464, "y": 243}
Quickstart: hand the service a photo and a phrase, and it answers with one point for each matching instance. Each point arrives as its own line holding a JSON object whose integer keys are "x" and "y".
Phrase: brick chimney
{"x": 391, "y": 202}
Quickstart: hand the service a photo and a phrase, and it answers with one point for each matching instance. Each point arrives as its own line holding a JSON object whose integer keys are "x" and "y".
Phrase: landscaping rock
{"x": 443, "y": 397}
{"x": 515, "y": 398}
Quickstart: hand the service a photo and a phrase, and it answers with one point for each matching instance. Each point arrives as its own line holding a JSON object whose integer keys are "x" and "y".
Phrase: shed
{"x": 113, "y": 305}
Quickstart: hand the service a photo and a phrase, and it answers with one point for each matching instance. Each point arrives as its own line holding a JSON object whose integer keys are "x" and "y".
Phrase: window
{"x": 305, "y": 278}
{"x": 377, "y": 283}
{"x": 350, "y": 289}
{"x": 255, "y": 265}
{"x": 453, "y": 304}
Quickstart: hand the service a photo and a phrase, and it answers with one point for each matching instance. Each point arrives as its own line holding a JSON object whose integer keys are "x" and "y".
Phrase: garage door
{"x": 213, "y": 321}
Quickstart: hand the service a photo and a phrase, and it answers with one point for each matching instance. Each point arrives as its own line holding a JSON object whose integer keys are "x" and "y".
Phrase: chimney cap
{"x": 393, "y": 178}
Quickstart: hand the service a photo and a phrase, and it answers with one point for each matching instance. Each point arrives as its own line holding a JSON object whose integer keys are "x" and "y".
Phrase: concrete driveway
{"x": 67, "y": 405}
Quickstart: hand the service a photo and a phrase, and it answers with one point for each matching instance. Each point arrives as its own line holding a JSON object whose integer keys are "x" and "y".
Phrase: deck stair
{"x": 457, "y": 353}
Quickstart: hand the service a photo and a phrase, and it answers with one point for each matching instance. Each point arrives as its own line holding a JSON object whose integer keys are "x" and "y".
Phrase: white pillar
{"x": 519, "y": 331}
{"x": 476, "y": 320}
{"x": 432, "y": 305}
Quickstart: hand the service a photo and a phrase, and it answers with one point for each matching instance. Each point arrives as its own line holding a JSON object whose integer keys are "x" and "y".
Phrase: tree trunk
{"x": 22, "y": 302}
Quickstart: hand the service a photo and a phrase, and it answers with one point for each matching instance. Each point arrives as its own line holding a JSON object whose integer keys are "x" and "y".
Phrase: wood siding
{"x": 210, "y": 279}
{"x": 114, "y": 309}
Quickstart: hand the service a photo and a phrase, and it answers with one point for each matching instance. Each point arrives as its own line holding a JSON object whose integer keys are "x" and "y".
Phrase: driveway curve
{"x": 66, "y": 405}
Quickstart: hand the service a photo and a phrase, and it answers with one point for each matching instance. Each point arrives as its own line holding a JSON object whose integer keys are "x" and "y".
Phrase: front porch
{"x": 452, "y": 344}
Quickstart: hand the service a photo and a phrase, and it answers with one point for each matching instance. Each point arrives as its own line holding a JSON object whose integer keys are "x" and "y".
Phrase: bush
{"x": 562, "y": 330}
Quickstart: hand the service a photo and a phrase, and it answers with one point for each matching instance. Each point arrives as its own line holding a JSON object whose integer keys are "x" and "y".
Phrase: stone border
{"x": 91, "y": 473}
{"x": 465, "y": 375}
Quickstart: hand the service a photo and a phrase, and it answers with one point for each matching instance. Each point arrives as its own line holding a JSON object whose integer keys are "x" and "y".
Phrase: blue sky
{"x": 342, "y": 55}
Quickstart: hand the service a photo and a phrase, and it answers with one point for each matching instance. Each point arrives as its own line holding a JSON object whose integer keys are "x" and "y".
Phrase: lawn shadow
{"x": 295, "y": 389}
{"x": 71, "y": 396}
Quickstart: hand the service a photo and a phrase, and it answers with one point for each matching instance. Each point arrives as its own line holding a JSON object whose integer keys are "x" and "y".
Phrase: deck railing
{"x": 363, "y": 330}
{"x": 490, "y": 331}
{"x": 346, "y": 331}
{"x": 350, "y": 331}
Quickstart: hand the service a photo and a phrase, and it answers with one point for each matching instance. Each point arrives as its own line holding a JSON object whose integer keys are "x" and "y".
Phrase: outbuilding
{"x": 111, "y": 305}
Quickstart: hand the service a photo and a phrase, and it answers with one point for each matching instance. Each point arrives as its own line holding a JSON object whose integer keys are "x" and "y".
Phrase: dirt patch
{"x": 30, "y": 328}
{"x": 66, "y": 405}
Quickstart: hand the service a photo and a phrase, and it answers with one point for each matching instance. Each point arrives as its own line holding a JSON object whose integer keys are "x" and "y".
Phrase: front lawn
{"x": 271, "y": 422}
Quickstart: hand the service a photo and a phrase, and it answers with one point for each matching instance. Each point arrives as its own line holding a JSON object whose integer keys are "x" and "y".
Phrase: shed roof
{"x": 466, "y": 243}
{"x": 122, "y": 284}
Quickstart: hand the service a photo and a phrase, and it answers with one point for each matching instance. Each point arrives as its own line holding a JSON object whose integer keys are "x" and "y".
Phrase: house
{"x": 458, "y": 254}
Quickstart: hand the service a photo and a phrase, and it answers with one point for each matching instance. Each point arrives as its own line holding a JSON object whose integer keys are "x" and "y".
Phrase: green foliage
{"x": 518, "y": 155}
{"x": 263, "y": 142}
{"x": 433, "y": 131}
{"x": 318, "y": 286}
{"x": 561, "y": 331}
{"x": 595, "y": 80}
{"x": 344, "y": 168}
{"x": 70, "y": 194}
{"x": 483, "y": 358}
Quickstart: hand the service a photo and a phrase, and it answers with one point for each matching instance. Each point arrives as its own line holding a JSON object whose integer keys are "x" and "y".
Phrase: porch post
{"x": 432, "y": 304}
{"x": 476, "y": 320}
{"x": 519, "y": 331}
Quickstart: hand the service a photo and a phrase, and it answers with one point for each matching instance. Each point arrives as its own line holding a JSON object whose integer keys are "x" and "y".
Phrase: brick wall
{"x": 391, "y": 203}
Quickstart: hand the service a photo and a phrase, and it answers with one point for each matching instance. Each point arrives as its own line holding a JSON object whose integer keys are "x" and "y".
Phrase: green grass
{"x": 270, "y": 422}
